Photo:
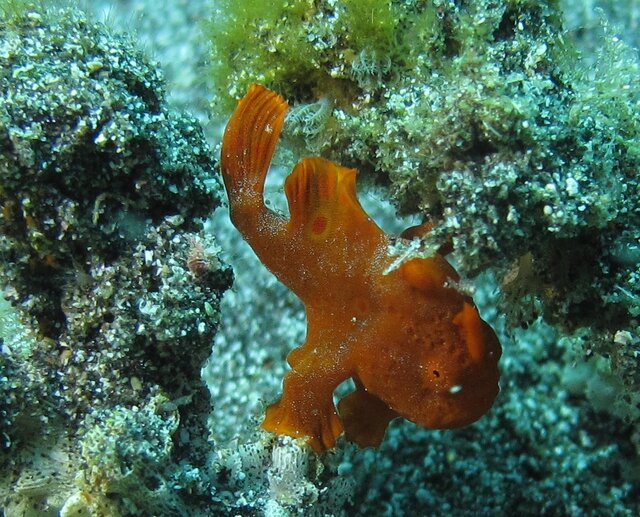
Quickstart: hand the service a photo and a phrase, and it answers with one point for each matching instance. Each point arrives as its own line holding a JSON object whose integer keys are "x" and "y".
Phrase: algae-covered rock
{"x": 103, "y": 189}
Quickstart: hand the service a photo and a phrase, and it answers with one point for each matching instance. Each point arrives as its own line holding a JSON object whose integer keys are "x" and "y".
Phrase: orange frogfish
{"x": 413, "y": 344}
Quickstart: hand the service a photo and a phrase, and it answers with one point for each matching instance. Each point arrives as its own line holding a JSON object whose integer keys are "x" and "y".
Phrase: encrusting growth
{"x": 414, "y": 345}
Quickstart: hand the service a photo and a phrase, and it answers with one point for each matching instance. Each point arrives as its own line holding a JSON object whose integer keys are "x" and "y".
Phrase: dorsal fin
{"x": 322, "y": 195}
{"x": 250, "y": 140}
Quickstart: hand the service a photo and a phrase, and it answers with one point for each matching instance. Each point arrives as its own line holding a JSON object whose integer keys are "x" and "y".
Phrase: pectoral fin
{"x": 365, "y": 417}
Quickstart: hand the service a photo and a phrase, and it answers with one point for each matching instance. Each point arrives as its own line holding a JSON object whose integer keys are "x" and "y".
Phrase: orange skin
{"x": 414, "y": 345}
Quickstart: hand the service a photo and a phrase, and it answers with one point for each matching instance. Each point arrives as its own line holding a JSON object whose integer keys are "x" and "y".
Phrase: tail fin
{"x": 250, "y": 140}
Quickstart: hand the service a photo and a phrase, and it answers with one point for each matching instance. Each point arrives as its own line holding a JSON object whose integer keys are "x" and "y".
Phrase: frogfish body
{"x": 414, "y": 345}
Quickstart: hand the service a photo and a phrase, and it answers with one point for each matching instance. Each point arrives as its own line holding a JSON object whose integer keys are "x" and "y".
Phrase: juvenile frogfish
{"x": 413, "y": 344}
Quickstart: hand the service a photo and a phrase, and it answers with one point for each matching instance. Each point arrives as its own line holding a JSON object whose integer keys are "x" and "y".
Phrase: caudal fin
{"x": 250, "y": 140}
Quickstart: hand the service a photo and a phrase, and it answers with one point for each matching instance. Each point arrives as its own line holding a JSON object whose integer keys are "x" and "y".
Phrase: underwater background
{"x": 142, "y": 339}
